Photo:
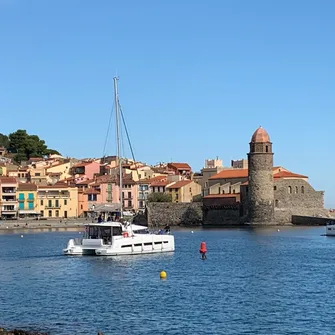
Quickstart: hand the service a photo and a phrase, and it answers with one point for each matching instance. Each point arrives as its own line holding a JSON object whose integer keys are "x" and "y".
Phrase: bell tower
{"x": 260, "y": 188}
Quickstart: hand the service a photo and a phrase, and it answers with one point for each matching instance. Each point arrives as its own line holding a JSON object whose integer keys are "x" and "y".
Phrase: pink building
{"x": 86, "y": 170}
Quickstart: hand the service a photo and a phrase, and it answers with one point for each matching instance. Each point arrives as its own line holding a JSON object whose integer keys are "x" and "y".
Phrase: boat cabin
{"x": 104, "y": 232}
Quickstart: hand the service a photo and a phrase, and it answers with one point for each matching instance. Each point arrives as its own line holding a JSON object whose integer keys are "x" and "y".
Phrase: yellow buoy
{"x": 162, "y": 274}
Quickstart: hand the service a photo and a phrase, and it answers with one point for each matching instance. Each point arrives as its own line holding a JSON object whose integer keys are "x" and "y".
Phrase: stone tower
{"x": 260, "y": 188}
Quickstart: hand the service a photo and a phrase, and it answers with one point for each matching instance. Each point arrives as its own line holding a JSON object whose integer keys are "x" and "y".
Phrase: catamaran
{"x": 116, "y": 238}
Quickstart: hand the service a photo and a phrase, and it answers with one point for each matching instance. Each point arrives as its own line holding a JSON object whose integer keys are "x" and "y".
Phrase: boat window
{"x": 138, "y": 245}
{"x": 126, "y": 246}
{"x": 148, "y": 243}
{"x": 166, "y": 242}
{"x": 93, "y": 232}
{"x": 158, "y": 242}
{"x": 117, "y": 231}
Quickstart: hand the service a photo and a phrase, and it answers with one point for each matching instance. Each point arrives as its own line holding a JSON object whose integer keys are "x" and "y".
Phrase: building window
{"x": 81, "y": 206}
{"x": 50, "y": 214}
{"x": 42, "y": 213}
{"x": 49, "y": 203}
{"x": 302, "y": 189}
{"x": 276, "y": 203}
{"x": 41, "y": 202}
{"x": 296, "y": 189}
{"x": 129, "y": 194}
{"x": 274, "y": 188}
{"x": 129, "y": 203}
{"x": 266, "y": 148}
{"x": 92, "y": 197}
{"x": 57, "y": 213}
{"x": 57, "y": 203}
{"x": 65, "y": 202}
{"x": 233, "y": 191}
{"x": 290, "y": 189}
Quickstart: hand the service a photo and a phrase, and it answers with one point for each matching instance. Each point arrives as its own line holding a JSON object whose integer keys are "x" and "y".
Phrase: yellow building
{"x": 26, "y": 195}
{"x": 183, "y": 190}
{"x": 58, "y": 201}
{"x": 58, "y": 172}
{"x": 3, "y": 170}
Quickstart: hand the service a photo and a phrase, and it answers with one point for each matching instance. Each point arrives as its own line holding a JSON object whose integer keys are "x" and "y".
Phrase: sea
{"x": 254, "y": 281}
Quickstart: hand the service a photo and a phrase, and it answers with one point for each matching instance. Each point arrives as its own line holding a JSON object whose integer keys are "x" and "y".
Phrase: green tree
{"x": 25, "y": 146}
{"x": 159, "y": 197}
{"x": 4, "y": 141}
{"x": 197, "y": 198}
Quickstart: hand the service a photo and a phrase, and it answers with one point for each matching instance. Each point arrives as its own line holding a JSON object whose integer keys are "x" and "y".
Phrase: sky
{"x": 196, "y": 78}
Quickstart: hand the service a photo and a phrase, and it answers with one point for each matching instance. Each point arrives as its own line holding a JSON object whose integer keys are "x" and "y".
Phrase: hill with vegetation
{"x": 22, "y": 146}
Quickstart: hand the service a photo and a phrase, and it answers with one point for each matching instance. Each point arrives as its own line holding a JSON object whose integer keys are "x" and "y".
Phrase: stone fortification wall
{"x": 297, "y": 197}
{"x": 297, "y": 193}
{"x": 174, "y": 214}
{"x": 309, "y": 220}
{"x": 284, "y": 215}
{"x": 261, "y": 198}
{"x": 225, "y": 215}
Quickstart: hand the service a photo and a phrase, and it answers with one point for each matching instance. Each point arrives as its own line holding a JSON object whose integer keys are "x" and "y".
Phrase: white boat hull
{"x": 133, "y": 245}
{"x": 330, "y": 230}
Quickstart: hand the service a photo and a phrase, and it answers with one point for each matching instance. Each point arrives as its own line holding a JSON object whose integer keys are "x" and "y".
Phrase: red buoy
{"x": 203, "y": 248}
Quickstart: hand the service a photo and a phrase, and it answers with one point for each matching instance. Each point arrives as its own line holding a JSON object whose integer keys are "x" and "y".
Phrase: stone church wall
{"x": 297, "y": 193}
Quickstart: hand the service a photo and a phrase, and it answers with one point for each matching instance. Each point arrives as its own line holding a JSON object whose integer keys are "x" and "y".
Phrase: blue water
{"x": 253, "y": 282}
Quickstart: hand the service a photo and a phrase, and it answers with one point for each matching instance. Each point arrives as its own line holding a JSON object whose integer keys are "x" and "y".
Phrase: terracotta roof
{"x": 7, "y": 180}
{"x": 230, "y": 174}
{"x": 152, "y": 180}
{"x": 160, "y": 183}
{"x": 126, "y": 182}
{"x": 85, "y": 182}
{"x": 260, "y": 136}
{"x": 226, "y": 195}
{"x": 91, "y": 191}
{"x": 180, "y": 166}
{"x": 27, "y": 187}
{"x": 180, "y": 184}
{"x": 56, "y": 186}
{"x": 82, "y": 164}
{"x": 288, "y": 174}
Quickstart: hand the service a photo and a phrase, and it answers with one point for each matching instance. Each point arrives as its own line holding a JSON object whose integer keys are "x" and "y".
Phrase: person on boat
{"x": 109, "y": 219}
{"x": 167, "y": 229}
{"x": 99, "y": 219}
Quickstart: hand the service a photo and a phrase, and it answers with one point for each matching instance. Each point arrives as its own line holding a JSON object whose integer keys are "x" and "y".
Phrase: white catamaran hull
{"x": 133, "y": 245}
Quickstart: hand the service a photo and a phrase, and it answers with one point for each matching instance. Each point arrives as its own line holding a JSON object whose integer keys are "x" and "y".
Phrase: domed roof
{"x": 260, "y": 136}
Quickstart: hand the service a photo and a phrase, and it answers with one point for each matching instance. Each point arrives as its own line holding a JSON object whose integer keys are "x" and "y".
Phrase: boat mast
{"x": 119, "y": 160}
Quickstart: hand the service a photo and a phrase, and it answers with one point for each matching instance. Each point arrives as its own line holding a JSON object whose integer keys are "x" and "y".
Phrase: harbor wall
{"x": 221, "y": 216}
{"x": 309, "y": 220}
{"x": 285, "y": 215}
{"x": 160, "y": 214}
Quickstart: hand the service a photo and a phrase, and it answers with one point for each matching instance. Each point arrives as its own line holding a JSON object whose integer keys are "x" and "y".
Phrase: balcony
{"x": 53, "y": 207}
{"x": 8, "y": 200}
{"x": 31, "y": 199}
{"x": 8, "y": 190}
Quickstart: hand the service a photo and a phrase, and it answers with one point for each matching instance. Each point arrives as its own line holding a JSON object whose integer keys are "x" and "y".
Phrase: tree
{"x": 159, "y": 197}
{"x": 197, "y": 198}
{"x": 25, "y": 146}
{"x": 4, "y": 141}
